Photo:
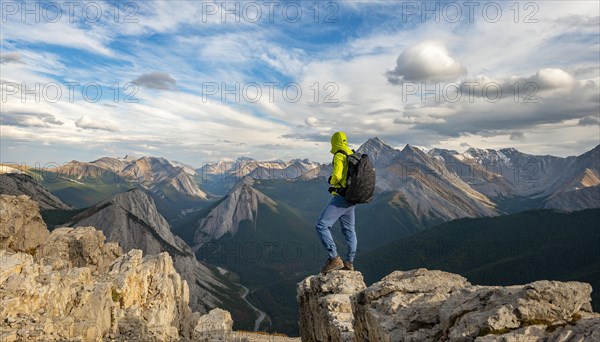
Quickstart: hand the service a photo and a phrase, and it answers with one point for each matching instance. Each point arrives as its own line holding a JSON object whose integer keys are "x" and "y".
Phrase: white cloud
{"x": 552, "y": 78}
{"x": 426, "y": 61}
{"x": 86, "y": 122}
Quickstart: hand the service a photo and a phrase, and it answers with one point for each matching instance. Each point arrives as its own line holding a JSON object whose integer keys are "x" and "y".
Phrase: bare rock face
{"x": 38, "y": 301}
{"x": 76, "y": 287}
{"x": 21, "y": 226}
{"x": 138, "y": 297}
{"x": 422, "y": 305}
{"x": 150, "y": 290}
{"x": 325, "y": 308}
{"x": 404, "y": 302}
{"x": 241, "y": 204}
{"x": 81, "y": 247}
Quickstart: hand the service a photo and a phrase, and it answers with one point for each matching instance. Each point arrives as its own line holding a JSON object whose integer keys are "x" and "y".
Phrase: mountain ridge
{"x": 23, "y": 184}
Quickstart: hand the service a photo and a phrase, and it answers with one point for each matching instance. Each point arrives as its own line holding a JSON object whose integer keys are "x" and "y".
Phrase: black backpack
{"x": 360, "y": 180}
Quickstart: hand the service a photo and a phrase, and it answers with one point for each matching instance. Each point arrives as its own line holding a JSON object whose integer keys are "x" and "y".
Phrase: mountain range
{"x": 172, "y": 185}
{"x": 415, "y": 189}
{"x": 570, "y": 183}
{"x": 433, "y": 185}
{"x": 255, "y": 219}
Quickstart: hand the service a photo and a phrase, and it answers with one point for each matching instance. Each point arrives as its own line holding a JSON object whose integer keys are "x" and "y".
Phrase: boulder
{"x": 325, "y": 308}
{"x": 214, "y": 326}
{"x": 21, "y": 226}
{"x": 80, "y": 247}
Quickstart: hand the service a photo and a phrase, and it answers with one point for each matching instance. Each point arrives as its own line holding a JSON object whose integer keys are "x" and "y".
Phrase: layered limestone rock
{"x": 423, "y": 305}
{"x": 21, "y": 225}
{"x": 325, "y": 308}
{"x": 139, "y": 297}
{"x": 404, "y": 302}
{"x": 150, "y": 290}
{"x": 74, "y": 286}
{"x": 81, "y": 247}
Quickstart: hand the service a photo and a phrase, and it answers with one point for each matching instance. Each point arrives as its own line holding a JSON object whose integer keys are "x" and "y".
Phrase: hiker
{"x": 338, "y": 208}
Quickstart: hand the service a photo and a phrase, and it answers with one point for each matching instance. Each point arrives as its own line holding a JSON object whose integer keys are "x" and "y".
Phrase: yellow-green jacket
{"x": 340, "y": 164}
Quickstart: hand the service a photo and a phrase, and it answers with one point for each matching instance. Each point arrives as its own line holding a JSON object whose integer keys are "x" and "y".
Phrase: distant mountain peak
{"x": 380, "y": 153}
{"x": 240, "y": 204}
{"x": 374, "y": 144}
{"x": 245, "y": 181}
{"x": 411, "y": 148}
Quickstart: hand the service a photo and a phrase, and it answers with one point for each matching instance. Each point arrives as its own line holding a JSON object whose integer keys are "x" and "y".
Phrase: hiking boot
{"x": 348, "y": 266}
{"x": 332, "y": 265}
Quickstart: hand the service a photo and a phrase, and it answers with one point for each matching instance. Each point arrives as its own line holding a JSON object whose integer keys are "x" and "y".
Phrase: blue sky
{"x": 188, "y": 75}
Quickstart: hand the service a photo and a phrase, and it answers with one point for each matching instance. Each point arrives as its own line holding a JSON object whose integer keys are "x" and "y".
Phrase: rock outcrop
{"x": 325, "y": 307}
{"x": 403, "y": 303}
{"x": 81, "y": 247}
{"x": 140, "y": 297}
{"x": 71, "y": 285}
{"x": 423, "y": 305}
{"x": 21, "y": 226}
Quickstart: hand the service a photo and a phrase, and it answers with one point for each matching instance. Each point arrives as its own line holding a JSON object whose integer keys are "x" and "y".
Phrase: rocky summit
{"x": 424, "y": 305}
{"x": 70, "y": 285}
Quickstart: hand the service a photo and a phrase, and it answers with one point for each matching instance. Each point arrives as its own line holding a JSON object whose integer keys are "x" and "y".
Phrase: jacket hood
{"x": 339, "y": 142}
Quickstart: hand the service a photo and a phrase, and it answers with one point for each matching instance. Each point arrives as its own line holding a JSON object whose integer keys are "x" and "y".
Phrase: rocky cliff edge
{"x": 423, "y": 305}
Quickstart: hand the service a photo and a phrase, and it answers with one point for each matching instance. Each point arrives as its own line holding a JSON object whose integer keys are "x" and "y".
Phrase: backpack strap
{"x": 342, "y": 152}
